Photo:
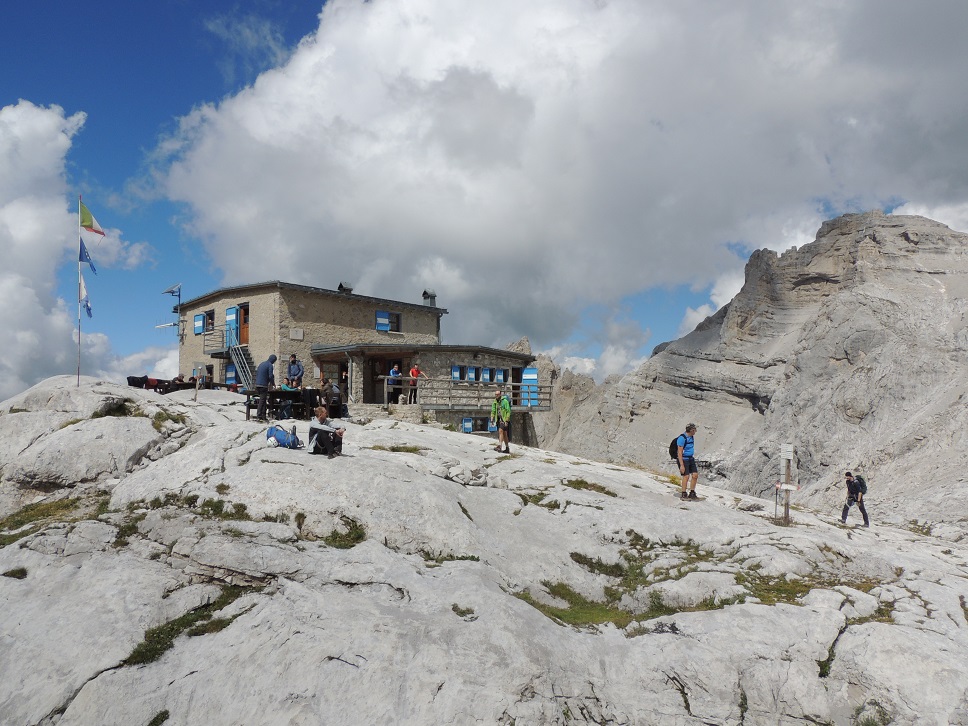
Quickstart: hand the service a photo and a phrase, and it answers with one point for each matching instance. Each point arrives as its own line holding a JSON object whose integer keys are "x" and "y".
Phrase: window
{"x": 388, "y": 321}
{"x": 209, "y": 320}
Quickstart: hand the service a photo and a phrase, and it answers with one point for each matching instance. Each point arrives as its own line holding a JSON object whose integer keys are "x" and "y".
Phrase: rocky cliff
{"x": 161, "y": 563}
{"x": 852, "y": 348}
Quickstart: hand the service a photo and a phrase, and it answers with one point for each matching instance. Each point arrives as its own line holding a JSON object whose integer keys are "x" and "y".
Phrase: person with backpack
{"x": 501, "y": 416}
{"x": 856, "y": 489}
{"x": 686, "y": 457}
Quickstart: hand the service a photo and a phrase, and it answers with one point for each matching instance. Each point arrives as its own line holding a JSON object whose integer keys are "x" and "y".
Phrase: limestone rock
{"x": 378, "y": 587}
{"x": 851, "y": 348}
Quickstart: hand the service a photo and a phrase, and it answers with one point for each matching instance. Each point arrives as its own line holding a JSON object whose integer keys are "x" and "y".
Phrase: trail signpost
{"x": 785, "y": 484}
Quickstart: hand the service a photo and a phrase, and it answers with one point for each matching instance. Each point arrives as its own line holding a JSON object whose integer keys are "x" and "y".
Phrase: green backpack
{"x": 862, "y": 483}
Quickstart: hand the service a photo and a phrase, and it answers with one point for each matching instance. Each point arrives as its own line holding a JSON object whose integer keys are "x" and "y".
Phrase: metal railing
{"x": 222, "y": 338}
{"x": 447, "y": 393}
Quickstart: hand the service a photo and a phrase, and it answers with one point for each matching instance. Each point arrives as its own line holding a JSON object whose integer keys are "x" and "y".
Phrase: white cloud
{"x": 38, "y": 234}
{"x": 528, "y": 160}
{"x": 953, "y": 215}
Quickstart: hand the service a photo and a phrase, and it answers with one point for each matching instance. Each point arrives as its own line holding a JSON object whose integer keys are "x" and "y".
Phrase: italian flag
{"x": 88, "y": 222}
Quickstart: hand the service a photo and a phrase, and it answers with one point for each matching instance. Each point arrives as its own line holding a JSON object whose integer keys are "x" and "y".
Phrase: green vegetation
{"x": 589, "y": 486}
{"x": 612, "y": 569}
{"x": 17, "y": 573}
{"x": 354, "y": 534}
{"x": 159, "y": 419}
{"x": 128, "y": 528}
{"x": 399, "y": 448}
{"x": 579, "y": 611}
{"x": 158, "y": 640}
{"x": 14, "y": 409}
{"x": 919, "y": 528}
{"x": 435, "y": 560}
{"x": 538, "y": 499}
{"x": 216, "y": 509}
{"x": 877, "y": 715}
{"x": 222, "y": 489}
{"x": 461, "y": 612}
{"x": 40, "y": 513}
{"x": 159, "y": 718}
{"x": 70, "y": 422}
{"x": 300, "y": 520}
{"x": 120, "y": 408}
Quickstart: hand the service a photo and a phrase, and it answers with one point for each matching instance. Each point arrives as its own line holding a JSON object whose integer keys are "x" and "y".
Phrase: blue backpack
{"x": 280, "y": 437}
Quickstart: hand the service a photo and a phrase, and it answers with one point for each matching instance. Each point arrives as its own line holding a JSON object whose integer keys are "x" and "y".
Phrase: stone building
{"x": 226, "y": 333}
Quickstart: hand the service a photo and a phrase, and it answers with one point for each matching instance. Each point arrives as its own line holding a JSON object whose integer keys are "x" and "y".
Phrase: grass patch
{"x": 461, "y": 612}
{"x": 441, "y": 558}
{"x": 119, "y": 409}
{"x": 128, "y": 528}
{"x": 538, "y": 500}
{"x": 159, "y": 420}
{"x": 17, "y": 573}
{"x": 222, "y": 489}
{"x": 39, "y": 514}
{"x": 160, "y": 639}
{"x": 579, "y": 611}
{"x": 70, "y": 422}
{"x": 919, "y": 528}
{"x": 354, "y": 534}
{"x": 14, "y": 409}
{"x": 611, "y": 569}
{"x": 589, "y": 486}
{"x": 399, "y": 448}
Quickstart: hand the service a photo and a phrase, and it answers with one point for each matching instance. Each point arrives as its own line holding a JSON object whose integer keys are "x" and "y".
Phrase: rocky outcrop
{"x": 425, "y": 578}
{"x": 852, "y": 348}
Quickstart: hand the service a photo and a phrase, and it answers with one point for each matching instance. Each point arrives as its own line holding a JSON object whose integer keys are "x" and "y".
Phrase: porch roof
{"x": 331, "y": 352}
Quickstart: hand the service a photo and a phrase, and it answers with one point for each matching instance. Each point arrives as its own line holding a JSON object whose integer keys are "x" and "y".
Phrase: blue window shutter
{"x": 499, "y": 375}
{"x": 230, "y": 374}
{"x": 455, "y": 373}
{"x": 467, "y": 425}
{"x": 231, "y": 326}
{"x": 471, "y": 373}
{"x": 382, "y": 320}
{"x": 529, "y": 377}
{"x": 486, "y": 375}
{"x": 199, "y": 324}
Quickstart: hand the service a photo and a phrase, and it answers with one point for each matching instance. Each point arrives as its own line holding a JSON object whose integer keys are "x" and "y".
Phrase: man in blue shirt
{"x": 295, "y": 371}
{"x": 265, "y": 376}
{"x": 394, "y": 383}
{"x": 687, "y": 462}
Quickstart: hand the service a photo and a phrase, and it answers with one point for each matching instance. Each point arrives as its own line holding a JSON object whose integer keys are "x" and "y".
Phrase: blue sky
{"x": 590, "y": 175}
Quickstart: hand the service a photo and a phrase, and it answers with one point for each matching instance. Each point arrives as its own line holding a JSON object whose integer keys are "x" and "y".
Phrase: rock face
{"x": 424, "y": 578}
{"x": 852, "y": 348}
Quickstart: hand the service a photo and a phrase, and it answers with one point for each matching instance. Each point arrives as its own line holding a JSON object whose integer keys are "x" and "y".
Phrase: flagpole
{"x": 78, "y": 290}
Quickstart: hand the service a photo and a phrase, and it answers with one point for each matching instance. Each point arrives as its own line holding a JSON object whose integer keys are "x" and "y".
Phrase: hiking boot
{"x": 685, "y": 495}
{"x": 692, "y": 494}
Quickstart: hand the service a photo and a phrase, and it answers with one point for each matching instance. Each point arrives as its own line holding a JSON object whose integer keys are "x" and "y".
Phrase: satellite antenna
{"x": 175, "y": 291}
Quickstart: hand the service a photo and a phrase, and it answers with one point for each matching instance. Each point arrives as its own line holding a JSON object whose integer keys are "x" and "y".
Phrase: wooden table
{"x": 277, "y": 399}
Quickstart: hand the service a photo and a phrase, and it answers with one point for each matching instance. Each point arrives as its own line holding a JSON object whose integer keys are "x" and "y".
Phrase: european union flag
{"x": 84, "y": 256}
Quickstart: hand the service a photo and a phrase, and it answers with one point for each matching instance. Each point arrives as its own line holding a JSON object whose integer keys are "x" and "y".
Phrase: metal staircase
{"x": 244, "y": 365}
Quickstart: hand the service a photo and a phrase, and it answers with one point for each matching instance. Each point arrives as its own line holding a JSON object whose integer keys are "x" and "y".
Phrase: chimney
{"x": 430, "y": 298}
{"x": 345, "y": 288}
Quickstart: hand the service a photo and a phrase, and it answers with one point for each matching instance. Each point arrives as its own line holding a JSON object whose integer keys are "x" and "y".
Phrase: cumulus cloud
{"x": 38, "y": 235}
{"x": 528, "y": 160}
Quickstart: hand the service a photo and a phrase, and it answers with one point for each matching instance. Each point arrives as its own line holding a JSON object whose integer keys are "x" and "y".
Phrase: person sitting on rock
{"x": 324, "y": 435}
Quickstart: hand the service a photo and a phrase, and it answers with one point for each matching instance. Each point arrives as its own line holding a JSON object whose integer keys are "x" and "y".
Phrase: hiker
{"x": 415, "y": 373}
{"x": 394, "y": 382}
{"x": 264, "y": 378}
{"x": 324, "y": 435}
{"x": 856, "y": 486}
{"x": 295, "y": 371}
{"x": 501, "y": 415}
{"x": 686, "y": 447}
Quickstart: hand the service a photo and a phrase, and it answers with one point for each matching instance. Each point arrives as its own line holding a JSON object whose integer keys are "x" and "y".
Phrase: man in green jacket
{"x": 501, "y": 415}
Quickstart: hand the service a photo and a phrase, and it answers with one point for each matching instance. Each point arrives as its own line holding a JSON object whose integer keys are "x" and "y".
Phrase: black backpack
{"x": 862, "y": 483}
{"x": 674, "y": 448}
